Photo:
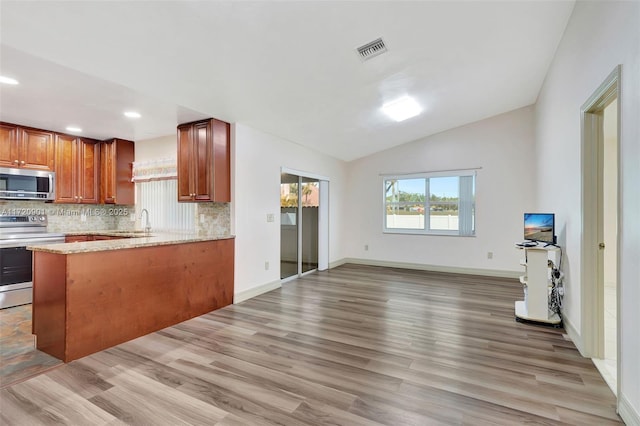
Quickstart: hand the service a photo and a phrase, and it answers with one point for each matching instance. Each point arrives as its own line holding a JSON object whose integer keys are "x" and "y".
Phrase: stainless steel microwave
{"x": 24, "y": 184}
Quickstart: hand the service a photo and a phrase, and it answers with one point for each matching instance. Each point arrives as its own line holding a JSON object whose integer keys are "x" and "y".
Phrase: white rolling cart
{"x": 537, "y": 281}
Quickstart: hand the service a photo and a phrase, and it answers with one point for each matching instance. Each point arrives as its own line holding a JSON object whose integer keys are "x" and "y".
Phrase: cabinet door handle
{"x": 22, "y": 162}
{"x": 16, "y": 162}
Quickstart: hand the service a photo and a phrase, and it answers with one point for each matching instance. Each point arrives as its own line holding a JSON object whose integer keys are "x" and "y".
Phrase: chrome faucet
{"x": 147, "y": 224}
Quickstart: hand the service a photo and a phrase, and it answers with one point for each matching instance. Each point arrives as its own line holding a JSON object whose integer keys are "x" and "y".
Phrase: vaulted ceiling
{"x": 286, "y": 68}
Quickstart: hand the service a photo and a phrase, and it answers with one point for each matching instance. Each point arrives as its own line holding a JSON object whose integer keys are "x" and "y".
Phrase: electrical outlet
{"x": 270, "y": 217}
{"x": 266, "y": 265}
{"x": 201, "y": 217}
{"x": 132, "y": 217}
{"x": 366, "y": 247}
{"x": 83, "y": 218}
{"x": 489, "y": 255}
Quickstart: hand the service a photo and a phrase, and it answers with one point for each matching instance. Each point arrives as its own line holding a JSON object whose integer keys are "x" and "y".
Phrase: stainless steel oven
{"x": 16, "y": 233}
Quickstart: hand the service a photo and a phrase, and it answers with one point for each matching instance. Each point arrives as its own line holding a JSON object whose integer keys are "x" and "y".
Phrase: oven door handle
{"x": 29, "y": 242}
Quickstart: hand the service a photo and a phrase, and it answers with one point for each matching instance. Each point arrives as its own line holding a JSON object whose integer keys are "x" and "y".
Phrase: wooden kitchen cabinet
{"x": 77, "y": 170}
{"x": 106, "y": 237}
{"x": 8, "y": 144}
{"x": 84, "y": 238}
{"x": 85, "y": 302}
{"x": 77, "y": 238}
{"x": 116, "y": 157}
{"x": 204, "y": 157}
{"x": 26, "y": 148}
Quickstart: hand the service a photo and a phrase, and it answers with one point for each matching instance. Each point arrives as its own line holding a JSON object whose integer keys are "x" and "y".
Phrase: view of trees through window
{"x": 289, "y": 194}
{"x": 409, "y": 202}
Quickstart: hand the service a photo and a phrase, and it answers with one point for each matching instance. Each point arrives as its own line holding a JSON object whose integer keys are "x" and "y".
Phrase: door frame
{"x": 592, "y": 257}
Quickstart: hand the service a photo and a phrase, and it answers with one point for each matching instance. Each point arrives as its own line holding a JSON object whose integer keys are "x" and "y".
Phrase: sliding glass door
{"x": 289, "y": 225}
{"x": 299, "y": 203}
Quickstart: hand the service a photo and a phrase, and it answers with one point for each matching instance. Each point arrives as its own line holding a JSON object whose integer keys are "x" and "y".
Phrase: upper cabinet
{"x": 26, "y": 148}
{"x": 8, "y": 145}
{"x": 116, "y": 157}
{"x": 77, "y": 163}
{"x": 204, "y": 161}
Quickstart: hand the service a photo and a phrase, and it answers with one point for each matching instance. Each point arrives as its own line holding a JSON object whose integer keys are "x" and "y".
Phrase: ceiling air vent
{"x": 374, "y": 48}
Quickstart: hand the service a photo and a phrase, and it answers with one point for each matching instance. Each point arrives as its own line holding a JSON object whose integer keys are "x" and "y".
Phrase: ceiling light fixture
{"x": 132, "y": 114}
{"x": 74, "y": 129}
{"x": 8, "y": 80}
{"x": 402, "y": 108}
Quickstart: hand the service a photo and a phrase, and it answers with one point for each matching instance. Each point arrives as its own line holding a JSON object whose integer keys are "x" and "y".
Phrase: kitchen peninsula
{"x": 89, "y": 296}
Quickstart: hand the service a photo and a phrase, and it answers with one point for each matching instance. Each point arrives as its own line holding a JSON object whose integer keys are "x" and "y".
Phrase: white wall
{"x": 599, "y": 36}
{"x": 258, "y": 158}
{"x": 503, "y": 146}
{"x": 157, "y": 148}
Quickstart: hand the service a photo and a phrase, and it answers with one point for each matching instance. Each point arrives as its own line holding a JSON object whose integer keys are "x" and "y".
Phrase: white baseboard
{"x": 573, "y": 335}
{"x": 337, "y": 263}
{"x": 629, "y": 414}
{"x": 256, "y": 291}
{"x": 434, "y": 268}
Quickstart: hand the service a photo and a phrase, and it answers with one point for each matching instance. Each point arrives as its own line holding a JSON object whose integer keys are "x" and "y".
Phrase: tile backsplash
{"x": 212, "y": 219}
{"x": 70, "y": 217}
{"x": 216, "y": 219}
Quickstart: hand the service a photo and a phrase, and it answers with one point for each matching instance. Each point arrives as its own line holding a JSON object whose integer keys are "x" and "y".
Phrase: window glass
{"x": 405, "y": 203}
{"x": 444, "y": 203}
{"x": 430, "y": 203}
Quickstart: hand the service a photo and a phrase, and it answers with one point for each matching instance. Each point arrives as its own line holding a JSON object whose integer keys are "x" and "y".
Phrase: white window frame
{"x": 466, "y": 204}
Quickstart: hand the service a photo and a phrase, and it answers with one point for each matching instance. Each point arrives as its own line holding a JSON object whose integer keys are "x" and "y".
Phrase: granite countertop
{"x": 133, "y": 239}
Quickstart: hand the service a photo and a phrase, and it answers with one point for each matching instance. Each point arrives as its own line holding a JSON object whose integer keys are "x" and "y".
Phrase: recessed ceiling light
{"x": 74, "y": 129}
{"x": 132, "y": 114}
{"x": 8, "y": 80}
{"x": 402, "y": 108}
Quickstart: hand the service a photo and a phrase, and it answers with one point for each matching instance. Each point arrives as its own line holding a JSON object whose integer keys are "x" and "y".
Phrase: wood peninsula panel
{"x": 49, "y": 303}
{"x": 118, "y": 295}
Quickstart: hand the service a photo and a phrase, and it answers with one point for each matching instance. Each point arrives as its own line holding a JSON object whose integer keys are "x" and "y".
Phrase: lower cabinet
{"x": 84, "y": 238}
{"x": 76, "y": 238}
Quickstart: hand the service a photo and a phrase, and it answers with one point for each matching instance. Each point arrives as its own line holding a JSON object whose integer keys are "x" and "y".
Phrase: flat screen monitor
{"x": 540, "y": 227}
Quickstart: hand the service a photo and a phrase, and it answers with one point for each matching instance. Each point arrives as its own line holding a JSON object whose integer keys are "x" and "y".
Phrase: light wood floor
{"x": 353, "y": 346}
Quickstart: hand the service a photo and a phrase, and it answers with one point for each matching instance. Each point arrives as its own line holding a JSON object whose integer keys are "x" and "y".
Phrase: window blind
{"x": 160, "y": 198}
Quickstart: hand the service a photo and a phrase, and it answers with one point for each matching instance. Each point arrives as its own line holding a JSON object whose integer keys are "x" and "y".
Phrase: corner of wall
{"x": 256, "y": 291}
{"x": 574, "y": 335}
{"x": 629, "y": 415}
